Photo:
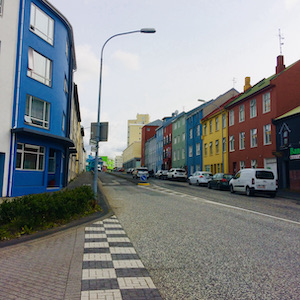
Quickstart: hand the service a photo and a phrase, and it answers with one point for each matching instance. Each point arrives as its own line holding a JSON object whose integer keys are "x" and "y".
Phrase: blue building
{"x": 42, "y": 51}
{"x": 159, "y": 147}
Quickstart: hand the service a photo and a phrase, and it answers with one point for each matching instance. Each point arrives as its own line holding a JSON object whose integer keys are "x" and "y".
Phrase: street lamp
{"x": 143, "y": 30}
{"x": 217, "y": 106}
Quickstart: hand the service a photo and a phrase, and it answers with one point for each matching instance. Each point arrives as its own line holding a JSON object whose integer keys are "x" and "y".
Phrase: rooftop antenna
{"x": 281, "y": 43}
{"x": 233, "y": 81}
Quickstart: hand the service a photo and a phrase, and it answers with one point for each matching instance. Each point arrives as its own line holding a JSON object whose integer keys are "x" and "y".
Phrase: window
{"x": 242, "y": 164}
{"x": 1, "y": 7}
{"x": 178, "y": 154}
{"x": 63, "y": 122}
{"x": 267, "y": 134}
{"x": 242, "y": 140}
{"x": 217, "y": 123}
{"x": 175, "y": 140}
{"x": 253, "y": 112}
{"x": 285, "y": 138}
{"x": 205, "y": 128}
{"x": 198, "y": 130}
{"x": 217, "y": 146}
{"x": 182, "y": 154}
{"x": 211, "y": 148}
{"x": 223, "y": 121}
{"x": 39, "y": 67}
{"x": 210, "y": 126}
{"x": 170, "y": 138}
{"x": 191, "y": 133}
{"x": 30, "y": 157}
{"x": 178, "y": 139}
{"x": 183, "y": 137}
{"x": 253, "y": 138}
{"x": 253, "y": 163}
{"x": 205, "y": 149}
{"x": 198, "y": 149}
{"x": 66, "y": 88}
{"x": 41, "y": 24}
{"x": 231, "y": 143}
{"x": 224, "y": 144}
{"x": 37, "y": 112}
{"x": 175, "y": 125}
{"x": 231, "y": 117}
{"x": 174, "y": 156}
{"x": 190, "y": 151}
{"x": 266, "y": 103}
{"x": 242, "y": 113}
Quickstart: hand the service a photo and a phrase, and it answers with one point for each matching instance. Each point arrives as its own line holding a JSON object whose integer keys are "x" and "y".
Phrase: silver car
{"x": 177, "y": 173}
{"x": 138, "y": 172}
{"x": 200, "y": 178}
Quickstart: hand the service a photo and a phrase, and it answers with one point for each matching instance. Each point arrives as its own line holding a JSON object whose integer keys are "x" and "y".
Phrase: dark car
{"x": 220, "y": 181}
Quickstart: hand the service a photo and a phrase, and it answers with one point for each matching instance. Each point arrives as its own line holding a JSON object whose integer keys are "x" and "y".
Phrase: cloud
{"x": 88, "y": 64}
{"x": 290, "y": 4}
{"x": 129, "y": 60}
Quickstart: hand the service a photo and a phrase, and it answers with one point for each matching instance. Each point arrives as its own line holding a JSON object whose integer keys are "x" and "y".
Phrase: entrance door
{"x": 2, "y": 161}
{"x": 54, "y": 169}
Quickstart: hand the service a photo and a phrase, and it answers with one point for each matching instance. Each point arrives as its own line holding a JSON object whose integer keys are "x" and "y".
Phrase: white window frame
{"x": 39, "y": 67}
{"x": 34, "y": 121}
{"x": 267, "y": 134}
{"x": 231, "y": 143}
{"x": 266, "y": 102}
{"x": 253, "y": 137}
{"x": 47, "y": 34}
{"x": 242, "y": 140}
{"x": 183, "y": 136}
{"x": 210, "y": 126}
{"x": 217, "y": 123}
{"x": 224, "y": 145}
{"x": 182, "y": 154}
{"x": 242, "y": 164}
{"x": 24, "y": 150}
{"x": 205, "y": 149}
{"x": 253, "y": 110}
{"x": 223, "y": 121}
{"x": 253, "y": 163}
{"x": 211, "y": 148}
{"x": 190, "y": 151}
{"x": 198, "y": 130}
{"x": 231, "y": 117}
{"x": 241, "y": 113}
{"x": 197, "y": 148}
{"x": 217, "y": 146}
{"x": 205, "y": 128}
{"x": 191, "y": 133}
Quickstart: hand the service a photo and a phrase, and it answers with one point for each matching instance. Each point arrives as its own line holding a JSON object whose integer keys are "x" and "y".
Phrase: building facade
{"x": 179, "y": 141}
{"x": 134, "y": 132}
{"x": 288, "y": 149}
{"x": 38, "y": 54}
{"x": 251, "y": 134}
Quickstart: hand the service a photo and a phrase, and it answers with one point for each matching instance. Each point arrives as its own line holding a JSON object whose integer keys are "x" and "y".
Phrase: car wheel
{"x": 189, "y": 182}
{"x": 218, "y": 186}
{"x": 249, "y": 192}
{"x": 209, "y": 185}
{"x": 231, "y": 189}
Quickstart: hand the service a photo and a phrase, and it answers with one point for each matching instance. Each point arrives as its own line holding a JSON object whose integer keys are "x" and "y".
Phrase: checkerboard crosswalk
{"x": 111, "y": 267}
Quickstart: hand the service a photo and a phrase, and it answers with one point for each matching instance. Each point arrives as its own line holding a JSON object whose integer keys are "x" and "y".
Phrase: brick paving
{"x": 111, "y": 267}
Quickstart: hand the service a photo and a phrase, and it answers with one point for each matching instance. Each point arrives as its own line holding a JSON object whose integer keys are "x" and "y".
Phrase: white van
{"x": 250, "y": 181}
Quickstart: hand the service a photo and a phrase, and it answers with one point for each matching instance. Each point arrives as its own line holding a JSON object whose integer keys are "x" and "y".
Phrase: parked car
{"x": 138, "y": 172}
{"x": 161, "y": 174}
{"x": 252, "y": 181}
{"x": 220, "y": 181}
{"x": 129, "y": 170}
{"x": 200, "y": 178}
{"x": 177, "y": 173}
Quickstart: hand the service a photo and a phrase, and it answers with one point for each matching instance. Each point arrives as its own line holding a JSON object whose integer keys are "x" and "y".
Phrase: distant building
{"x": 119, "y": 161}
{"x": 134, "y": 133}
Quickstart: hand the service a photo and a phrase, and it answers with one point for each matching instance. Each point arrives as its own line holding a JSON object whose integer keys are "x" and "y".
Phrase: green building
{"x": 179, "y": 141}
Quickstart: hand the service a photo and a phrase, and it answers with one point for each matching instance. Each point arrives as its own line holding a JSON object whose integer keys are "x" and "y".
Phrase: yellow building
{"x": 132, "y": 155}
{"x": 214, "y": 138}
{"x": 135, "y": 128}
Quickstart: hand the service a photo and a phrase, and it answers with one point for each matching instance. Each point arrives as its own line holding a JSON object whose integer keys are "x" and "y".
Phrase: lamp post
{"x": 217, "y": 106}
{"x": 143, "y": 30}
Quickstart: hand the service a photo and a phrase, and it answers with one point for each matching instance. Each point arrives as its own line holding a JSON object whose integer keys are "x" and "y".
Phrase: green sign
{"x": 294, "y": 153}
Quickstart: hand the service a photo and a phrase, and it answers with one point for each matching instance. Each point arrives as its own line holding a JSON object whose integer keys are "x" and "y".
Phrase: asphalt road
{"x": 202, "y": 244}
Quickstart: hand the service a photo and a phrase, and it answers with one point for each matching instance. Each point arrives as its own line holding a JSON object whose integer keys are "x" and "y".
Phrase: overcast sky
{"x": 201, "y": 49}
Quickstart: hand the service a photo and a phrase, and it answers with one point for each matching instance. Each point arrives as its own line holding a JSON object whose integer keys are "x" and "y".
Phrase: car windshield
{"x": 264, "y": 175}
{"x": 180, "y": 171}
{"x": 142, "y": 169}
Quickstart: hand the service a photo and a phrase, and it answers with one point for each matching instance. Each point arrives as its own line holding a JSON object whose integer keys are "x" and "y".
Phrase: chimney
{"x": 280, "y": 66}
{"x": 247, "y": 85}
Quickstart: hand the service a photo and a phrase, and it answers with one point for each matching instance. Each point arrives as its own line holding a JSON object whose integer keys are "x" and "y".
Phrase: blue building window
{"x": 41, "y": 24}
{"x": 37, "y": 112}
{"x": 30, "y": 157}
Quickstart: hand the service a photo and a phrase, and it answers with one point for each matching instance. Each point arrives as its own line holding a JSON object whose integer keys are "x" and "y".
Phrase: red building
{"x": 148, "y": 131}
{"x": 167, "y": 145}
{"x": 251, "y": 134}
